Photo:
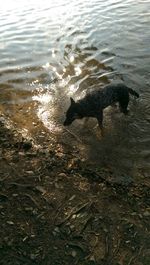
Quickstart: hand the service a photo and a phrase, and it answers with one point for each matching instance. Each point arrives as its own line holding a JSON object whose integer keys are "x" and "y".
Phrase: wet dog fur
{"x": 93, "y": 104}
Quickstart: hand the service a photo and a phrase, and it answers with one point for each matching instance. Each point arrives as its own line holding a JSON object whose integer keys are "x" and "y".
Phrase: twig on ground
{"x": 131, "y": 259}
{"x": 32, "y": 199}
{"x": 74, "y": 135}
{"x": 75, "y": 210}
{"x": 21, "y": 185}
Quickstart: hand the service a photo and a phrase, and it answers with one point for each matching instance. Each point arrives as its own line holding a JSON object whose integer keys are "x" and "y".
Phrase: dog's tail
{"x": 132, "y": 92}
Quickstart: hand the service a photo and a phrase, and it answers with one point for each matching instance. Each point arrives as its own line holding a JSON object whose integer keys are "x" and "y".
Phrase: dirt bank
{"x": 55, "y": 209}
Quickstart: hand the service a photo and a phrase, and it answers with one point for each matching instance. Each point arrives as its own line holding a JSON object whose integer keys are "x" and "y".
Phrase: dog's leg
{"x": 100, "y": 122}
{"x": 123, "y": 104}
{"x": 124, "y": 109}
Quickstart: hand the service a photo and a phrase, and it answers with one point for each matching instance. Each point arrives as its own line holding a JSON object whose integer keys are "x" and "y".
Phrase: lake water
{"x": 51, "y": 50}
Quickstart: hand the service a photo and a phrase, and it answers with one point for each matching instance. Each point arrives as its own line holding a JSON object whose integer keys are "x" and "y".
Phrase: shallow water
{"x": 51, "y": 50}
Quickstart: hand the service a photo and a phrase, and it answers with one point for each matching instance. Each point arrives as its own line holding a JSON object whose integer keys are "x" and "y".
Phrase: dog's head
{"x": 72, "y": 113}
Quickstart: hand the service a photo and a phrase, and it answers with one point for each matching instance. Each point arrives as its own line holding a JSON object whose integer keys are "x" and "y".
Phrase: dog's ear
{"x": 72, "y": 101}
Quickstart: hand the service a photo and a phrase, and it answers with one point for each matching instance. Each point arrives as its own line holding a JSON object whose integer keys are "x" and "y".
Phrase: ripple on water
{"x": 52, "y": 50}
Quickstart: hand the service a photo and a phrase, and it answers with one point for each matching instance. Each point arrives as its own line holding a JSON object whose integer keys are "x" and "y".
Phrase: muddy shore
{"x": 56, "y": 209}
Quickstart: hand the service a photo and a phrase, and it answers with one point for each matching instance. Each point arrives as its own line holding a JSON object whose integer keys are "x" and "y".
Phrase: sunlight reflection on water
{"x": 46, "y": 111}
{"x": 51, "y": 50}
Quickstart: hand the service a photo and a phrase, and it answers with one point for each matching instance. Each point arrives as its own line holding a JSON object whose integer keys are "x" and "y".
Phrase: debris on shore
{"x": 56, "y": 209}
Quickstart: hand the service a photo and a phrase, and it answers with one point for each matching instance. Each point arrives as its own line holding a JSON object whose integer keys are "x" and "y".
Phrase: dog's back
{"x": 95, "y": 101}
{"x": 102, "y": 98}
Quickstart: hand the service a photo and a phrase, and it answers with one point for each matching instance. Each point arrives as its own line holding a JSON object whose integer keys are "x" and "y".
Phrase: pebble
{"x": 74, "y": 216}
{"x": 32, "y": 256}
{"x": 31, "y": 154}
{"x": 28, "y": 209}
{"x": 29, "y": 172}
{"x": 56, "y": 185}
{"x": 14, "y": 194}
{"x": 62, "y": 175}
{"x": 2, "y": 119}
{"x": 10, "y": 222}
{"x": 92, "y": 258}
{"x": 105, "y": 230}
{"x": 73, "y": 253}
{"x": 72, "y": 197}
{"x": 146, "y": 213}
{"x": 41, "y": 189}
{"x": 56, "y": 229}
{"x": 21, "y": 154}
{"x": 72, "y": 227}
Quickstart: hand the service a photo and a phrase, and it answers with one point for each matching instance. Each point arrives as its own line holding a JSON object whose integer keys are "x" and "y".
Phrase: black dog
{"x": 93, "y": 103}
